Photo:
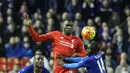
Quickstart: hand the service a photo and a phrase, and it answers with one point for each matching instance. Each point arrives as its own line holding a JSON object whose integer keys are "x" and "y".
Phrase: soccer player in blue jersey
{"x": 93, "y": 61}
{"x": 37, "y": 67}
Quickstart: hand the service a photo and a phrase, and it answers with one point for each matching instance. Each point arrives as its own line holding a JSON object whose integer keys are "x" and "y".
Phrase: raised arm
{"x": 81, "y": 63}
{"x": 36, "y": 37}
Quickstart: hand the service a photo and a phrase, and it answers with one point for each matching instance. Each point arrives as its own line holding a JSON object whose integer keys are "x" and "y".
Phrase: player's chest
{"x": 66, "y": 42}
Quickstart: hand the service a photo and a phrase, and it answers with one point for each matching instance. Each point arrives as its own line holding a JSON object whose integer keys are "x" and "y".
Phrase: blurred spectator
{"x": 24, "y": 31}
{"x": 23, "y": 8}
{"x": 26, "y": 50}
{"x": 15, "y": 69}
{"x": 9, "y": 12}
{"x": 114, "y": 20}
{"x": 38, "y": 24}
{"x": 106, "y": 41}
{"x": 109, "y": 61}
{"x": 9, "y": 20}
{"x": 78, "y": 17}
{"x": 120, "y": 68}
{"x": 98, "y": 25}
{"x": 36, "y": 16}
{"x": 76, "y": 28}
{"x": 125, "y": 56}
{"x": 88, "y": 7}
{"x": 65, "y": 16}
{"x": 46, "y": 51}
{"x": 118, "y": 40}
{"x": 50, "y": 24}
{"x": 105, "y": 10}
{"x": 49, "y": 15}
{"x": 73, "y": 7}
{"x": 109, "y": 70}
{"x": 11, "y": 49}
{"x": 90, "y": 22}
{"x": 10, "y": 31}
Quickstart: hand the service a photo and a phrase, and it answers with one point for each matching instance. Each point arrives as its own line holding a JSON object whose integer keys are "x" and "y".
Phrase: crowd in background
{"x": 111, "y": 19}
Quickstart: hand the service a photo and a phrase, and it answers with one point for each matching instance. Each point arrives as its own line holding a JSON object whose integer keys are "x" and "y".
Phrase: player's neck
{"x": 37, "y": 70}
{"x": 66, "y": 34}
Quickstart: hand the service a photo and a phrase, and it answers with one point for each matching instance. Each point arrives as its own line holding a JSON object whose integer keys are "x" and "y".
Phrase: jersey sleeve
{"x": 75, "y": 60}
{"x": 82, "y": 63}
{"x": 22, "y": 71}
{"x": 80, "y": 49}
{"x": 43, "y": 37}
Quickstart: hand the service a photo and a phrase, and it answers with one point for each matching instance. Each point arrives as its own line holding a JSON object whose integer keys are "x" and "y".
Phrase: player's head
{"x": 67, "y": 27}
{"x": 38, "y": 58}
{"x": 93, "y": 47}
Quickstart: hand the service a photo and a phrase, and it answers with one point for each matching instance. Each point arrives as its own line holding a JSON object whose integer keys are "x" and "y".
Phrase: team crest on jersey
{"x": 67, "y": 44}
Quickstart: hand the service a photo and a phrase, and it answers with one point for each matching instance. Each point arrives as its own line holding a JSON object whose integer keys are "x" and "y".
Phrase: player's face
{"x": 39, "y": 59}
{"x": 68, "y": 27}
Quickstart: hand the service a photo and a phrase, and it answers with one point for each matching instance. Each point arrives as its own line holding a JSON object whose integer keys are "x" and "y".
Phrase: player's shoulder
{"x": 45, "y": 70}
{"x": 55, "y": 32}
{"x": 26, "y": 69}
{"x": 75, "y": 37}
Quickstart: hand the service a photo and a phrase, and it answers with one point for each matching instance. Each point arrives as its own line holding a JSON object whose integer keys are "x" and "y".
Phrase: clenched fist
{"x": 26, "y": 20}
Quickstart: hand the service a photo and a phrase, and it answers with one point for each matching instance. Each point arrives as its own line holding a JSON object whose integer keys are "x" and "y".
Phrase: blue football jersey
{"x": 93, "y": 63}
{"x": 30, "y": 69}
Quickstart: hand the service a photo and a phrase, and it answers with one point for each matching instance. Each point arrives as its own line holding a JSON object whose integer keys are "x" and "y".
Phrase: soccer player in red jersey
{"x": 63, "y": 43}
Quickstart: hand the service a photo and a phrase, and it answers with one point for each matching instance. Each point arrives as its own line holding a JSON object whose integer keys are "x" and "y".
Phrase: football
{"x": 88, "y": 32}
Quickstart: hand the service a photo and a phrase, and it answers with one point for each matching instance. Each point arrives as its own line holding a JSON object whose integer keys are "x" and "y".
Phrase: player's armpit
{"x": 81, "y": 50}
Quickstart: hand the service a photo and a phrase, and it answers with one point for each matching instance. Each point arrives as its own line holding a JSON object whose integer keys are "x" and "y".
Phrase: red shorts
{"x": 59, "y": 69}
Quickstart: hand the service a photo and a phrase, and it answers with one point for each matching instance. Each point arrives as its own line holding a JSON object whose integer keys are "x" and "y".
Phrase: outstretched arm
{"x": 74, "y": 60}
{"x": 36, "y": 37}
{"x": 82, "y": 63}
{"x": 72, "y": 65}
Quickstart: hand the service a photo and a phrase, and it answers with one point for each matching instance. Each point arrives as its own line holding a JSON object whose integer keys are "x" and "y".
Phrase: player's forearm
{"x": 34, "y": 35}
{"x": 73, "y": 65}
{"x": 75, "y": 60}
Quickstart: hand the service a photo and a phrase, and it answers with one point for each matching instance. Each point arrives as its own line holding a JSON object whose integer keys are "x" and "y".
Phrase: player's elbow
{"x": 36, "y": 39}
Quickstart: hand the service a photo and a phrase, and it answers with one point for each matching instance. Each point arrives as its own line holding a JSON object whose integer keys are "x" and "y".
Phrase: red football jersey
{"x": 61, "y": 44}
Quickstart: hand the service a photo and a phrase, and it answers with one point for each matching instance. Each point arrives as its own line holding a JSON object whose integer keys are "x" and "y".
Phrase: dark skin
{"x": 38, "y": 62}
{"x": 90, "y": 51}
{"x": 67, "y": 27}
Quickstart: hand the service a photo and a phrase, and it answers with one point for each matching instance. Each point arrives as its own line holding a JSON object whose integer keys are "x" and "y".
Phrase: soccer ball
{"x": 88, "y": 32}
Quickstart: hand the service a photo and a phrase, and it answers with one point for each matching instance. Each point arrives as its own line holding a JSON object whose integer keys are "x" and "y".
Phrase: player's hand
{"x": 75, "y": 55}
{"x": 60, "y": 57}
{"x": 61, "y": 62}
{"x": 26, "y": 20}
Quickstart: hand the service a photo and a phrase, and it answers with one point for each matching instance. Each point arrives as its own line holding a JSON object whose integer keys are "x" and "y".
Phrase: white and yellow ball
{"x": 88, "y": 32}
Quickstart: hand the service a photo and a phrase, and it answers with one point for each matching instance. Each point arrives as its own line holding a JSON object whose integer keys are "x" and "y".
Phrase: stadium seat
{"x": 3, "y": 64}
{"x": 11, "y": 62}
{"x": 2, "y": 60}
{"x": 24, "y": 61}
